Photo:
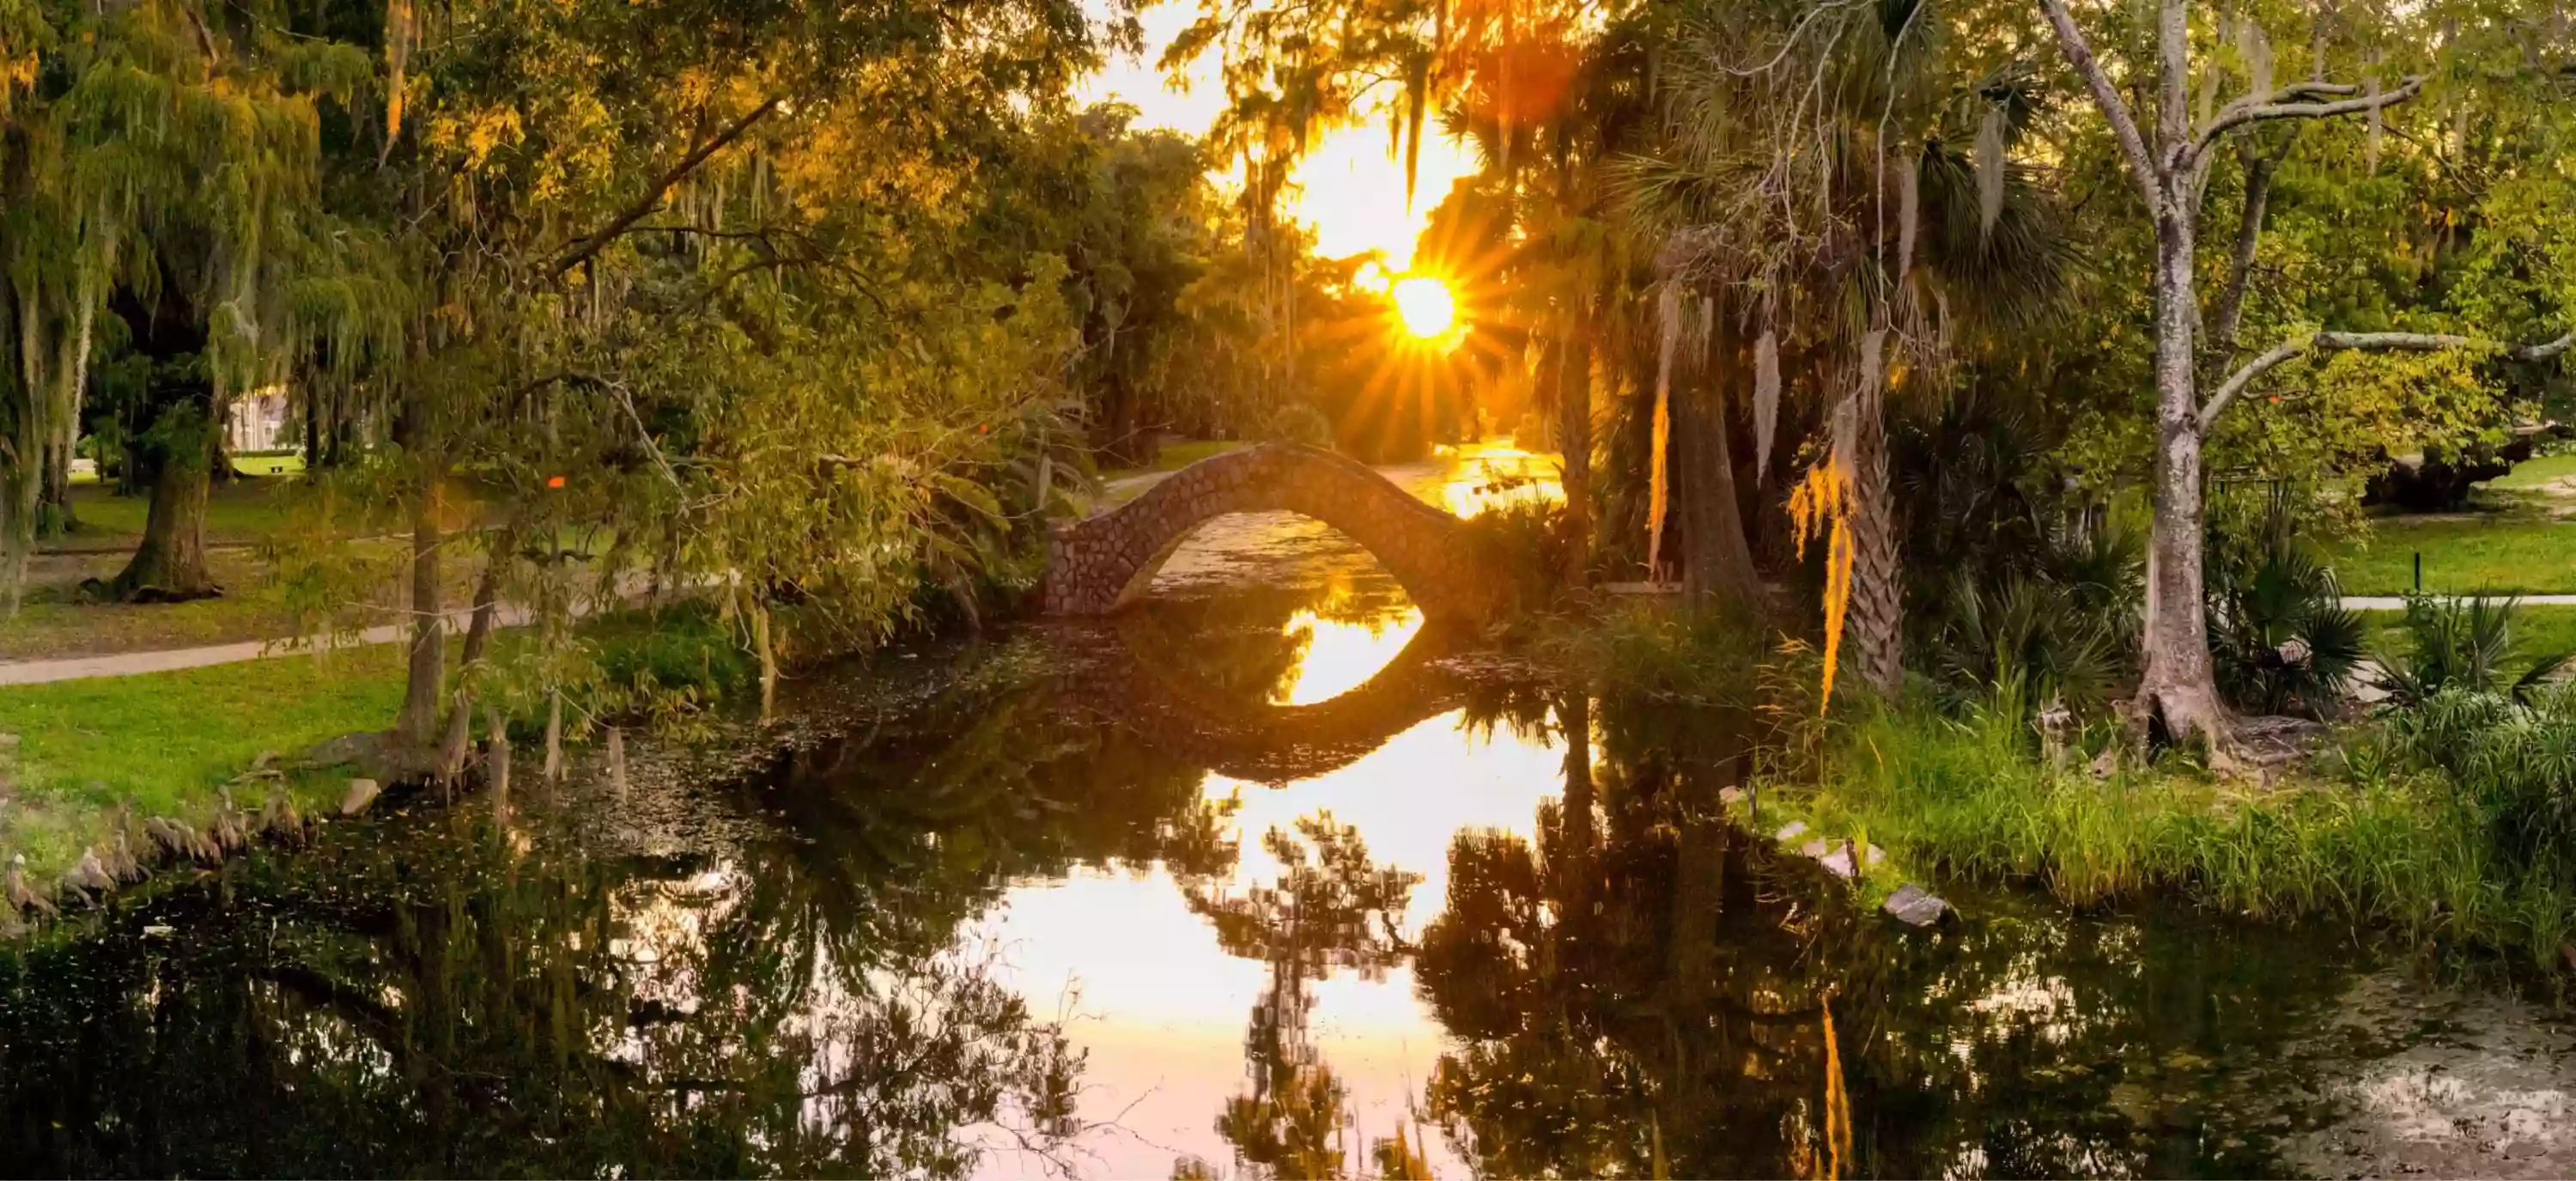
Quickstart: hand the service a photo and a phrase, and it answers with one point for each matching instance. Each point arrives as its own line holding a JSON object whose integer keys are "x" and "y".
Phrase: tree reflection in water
{"x": 1646, "y": 981}
{"x": 1331, "y": 910}
{"x": 446, "y": 1004}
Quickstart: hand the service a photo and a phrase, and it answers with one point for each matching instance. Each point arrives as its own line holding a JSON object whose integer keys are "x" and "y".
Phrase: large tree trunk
{"x": 478, "y": 634}
{"x": 2179, "y": 688}
{"x": 170, "y": 564}
{"x": 57, "y": 517}
{"x": 1717, "y": 565}
{"x": 1574, "y": 444}
{"x": 1874, "y": 620}
{"x": 313, "y": 461}
{"x": 418, "y": 721}
{"x": 18, "y": 504}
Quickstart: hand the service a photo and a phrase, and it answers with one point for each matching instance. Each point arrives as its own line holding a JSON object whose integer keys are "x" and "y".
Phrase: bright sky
{"x": 1350, "y": 188}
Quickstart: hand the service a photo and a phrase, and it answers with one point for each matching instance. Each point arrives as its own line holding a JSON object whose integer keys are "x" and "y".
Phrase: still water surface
{"x": 1264, "y": 878}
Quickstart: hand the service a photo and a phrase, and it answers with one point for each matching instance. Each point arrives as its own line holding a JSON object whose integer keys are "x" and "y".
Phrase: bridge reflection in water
{"x": 1342, "y": 754}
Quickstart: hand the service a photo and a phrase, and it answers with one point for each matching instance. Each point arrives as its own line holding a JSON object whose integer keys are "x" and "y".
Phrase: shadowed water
{"x": 1264, "y": 878}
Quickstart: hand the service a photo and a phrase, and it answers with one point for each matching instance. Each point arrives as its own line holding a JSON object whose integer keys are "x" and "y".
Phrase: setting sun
{"x": 1425, "y": 305}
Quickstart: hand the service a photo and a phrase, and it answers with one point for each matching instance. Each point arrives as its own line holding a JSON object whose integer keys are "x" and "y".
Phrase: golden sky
{"x": 1350, "y": 188}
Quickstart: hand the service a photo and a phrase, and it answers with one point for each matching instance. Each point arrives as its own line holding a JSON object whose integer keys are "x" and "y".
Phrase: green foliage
{"x": 2464, "y": 645}
{"x": 166, "y": 742}
{"x": 2278, "y": 633}
{"x": 2032, "y": 641}
{"x": 2513, "y": 757}
{"x": 1657, "y": 652}
{"x": 2022, "y": 592}
{"x": 1524, "y": 540}
{"x": 2405, "y": 850}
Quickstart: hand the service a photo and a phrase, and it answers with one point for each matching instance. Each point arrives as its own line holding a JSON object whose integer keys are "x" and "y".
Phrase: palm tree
{"x": 1842, "y": 194}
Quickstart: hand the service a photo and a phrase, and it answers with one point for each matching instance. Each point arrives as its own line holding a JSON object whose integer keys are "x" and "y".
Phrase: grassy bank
{"x": 2405, "y": 851}
{"x": 2369, "y": 831}
{"x": 166, "y": 742}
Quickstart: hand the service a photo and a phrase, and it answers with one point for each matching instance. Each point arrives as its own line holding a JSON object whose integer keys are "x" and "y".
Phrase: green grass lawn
{"x": 248, "y": 465}
{"x": 2537, "y": 630}
{"x": 243, "y": 510}
{"x": 2532, "y": 473}
{"x": 54, "y": 622}
{"x": 168, "y": 740}
{"x": 2515, "y": 552}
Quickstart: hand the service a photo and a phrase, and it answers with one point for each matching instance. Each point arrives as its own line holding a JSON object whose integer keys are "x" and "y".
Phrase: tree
{"x": 168, "y": 178}
{"x": 2170, "y": 159}
{"x": 705, "y": 280}
{"x": 1835, "y": 184}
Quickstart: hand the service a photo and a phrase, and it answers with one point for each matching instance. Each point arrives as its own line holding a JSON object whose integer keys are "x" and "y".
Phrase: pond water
{"x": 1263, "y": 878}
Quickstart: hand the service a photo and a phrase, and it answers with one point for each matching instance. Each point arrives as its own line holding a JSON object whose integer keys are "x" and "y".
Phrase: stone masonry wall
{"x": 1097, "y": 565}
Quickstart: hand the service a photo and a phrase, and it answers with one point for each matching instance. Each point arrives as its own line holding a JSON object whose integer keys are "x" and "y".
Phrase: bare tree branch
{"x": 2240, "y": 262}
{"x": 2243, "y": 111}
{"x": 652, "y": 199}
{"x": 2415, "y": 342}
{"x": 2124, "y": 125}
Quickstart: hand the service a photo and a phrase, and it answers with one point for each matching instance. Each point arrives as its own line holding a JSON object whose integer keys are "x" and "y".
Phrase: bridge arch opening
{"x": 1103, "y": 563}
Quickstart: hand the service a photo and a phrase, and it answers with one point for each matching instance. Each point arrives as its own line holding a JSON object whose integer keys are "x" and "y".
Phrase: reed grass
{"x": 2405, "y": 851}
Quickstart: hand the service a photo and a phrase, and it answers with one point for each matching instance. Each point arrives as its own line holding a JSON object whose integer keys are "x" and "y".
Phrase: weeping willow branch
{"x": 2415, "y": 342}
{"x": 652, "y": 198}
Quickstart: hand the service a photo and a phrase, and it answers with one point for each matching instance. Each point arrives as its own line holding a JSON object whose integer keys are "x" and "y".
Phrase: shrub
{"x": 2032, "y": 641}
{"x": 2513, "y": 757}
{"x": 1524, "y": 542}
{"x": 1659, "y": 652}
{"x": 2278, "y": 634}
{"x": 2464, "y": 644}
{"x": 2391, "y": 845}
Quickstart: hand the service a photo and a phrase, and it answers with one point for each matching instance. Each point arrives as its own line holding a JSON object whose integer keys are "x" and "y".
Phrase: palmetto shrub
{"x": 2513, "y": 755}
{"x": 2466, "y": 644}
{"x": 2279, "y": 637}
{"x": 2032, "y": 641}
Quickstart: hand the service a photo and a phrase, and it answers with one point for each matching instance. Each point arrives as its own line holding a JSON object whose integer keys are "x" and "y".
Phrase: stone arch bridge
{"x": 1105, "y": 562}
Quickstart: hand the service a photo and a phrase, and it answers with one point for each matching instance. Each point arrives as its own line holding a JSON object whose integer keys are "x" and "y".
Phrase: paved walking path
{"x": 126, "y": 664}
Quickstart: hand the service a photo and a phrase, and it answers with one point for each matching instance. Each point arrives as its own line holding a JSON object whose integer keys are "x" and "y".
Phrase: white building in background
{"x": 259, "y": 422}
